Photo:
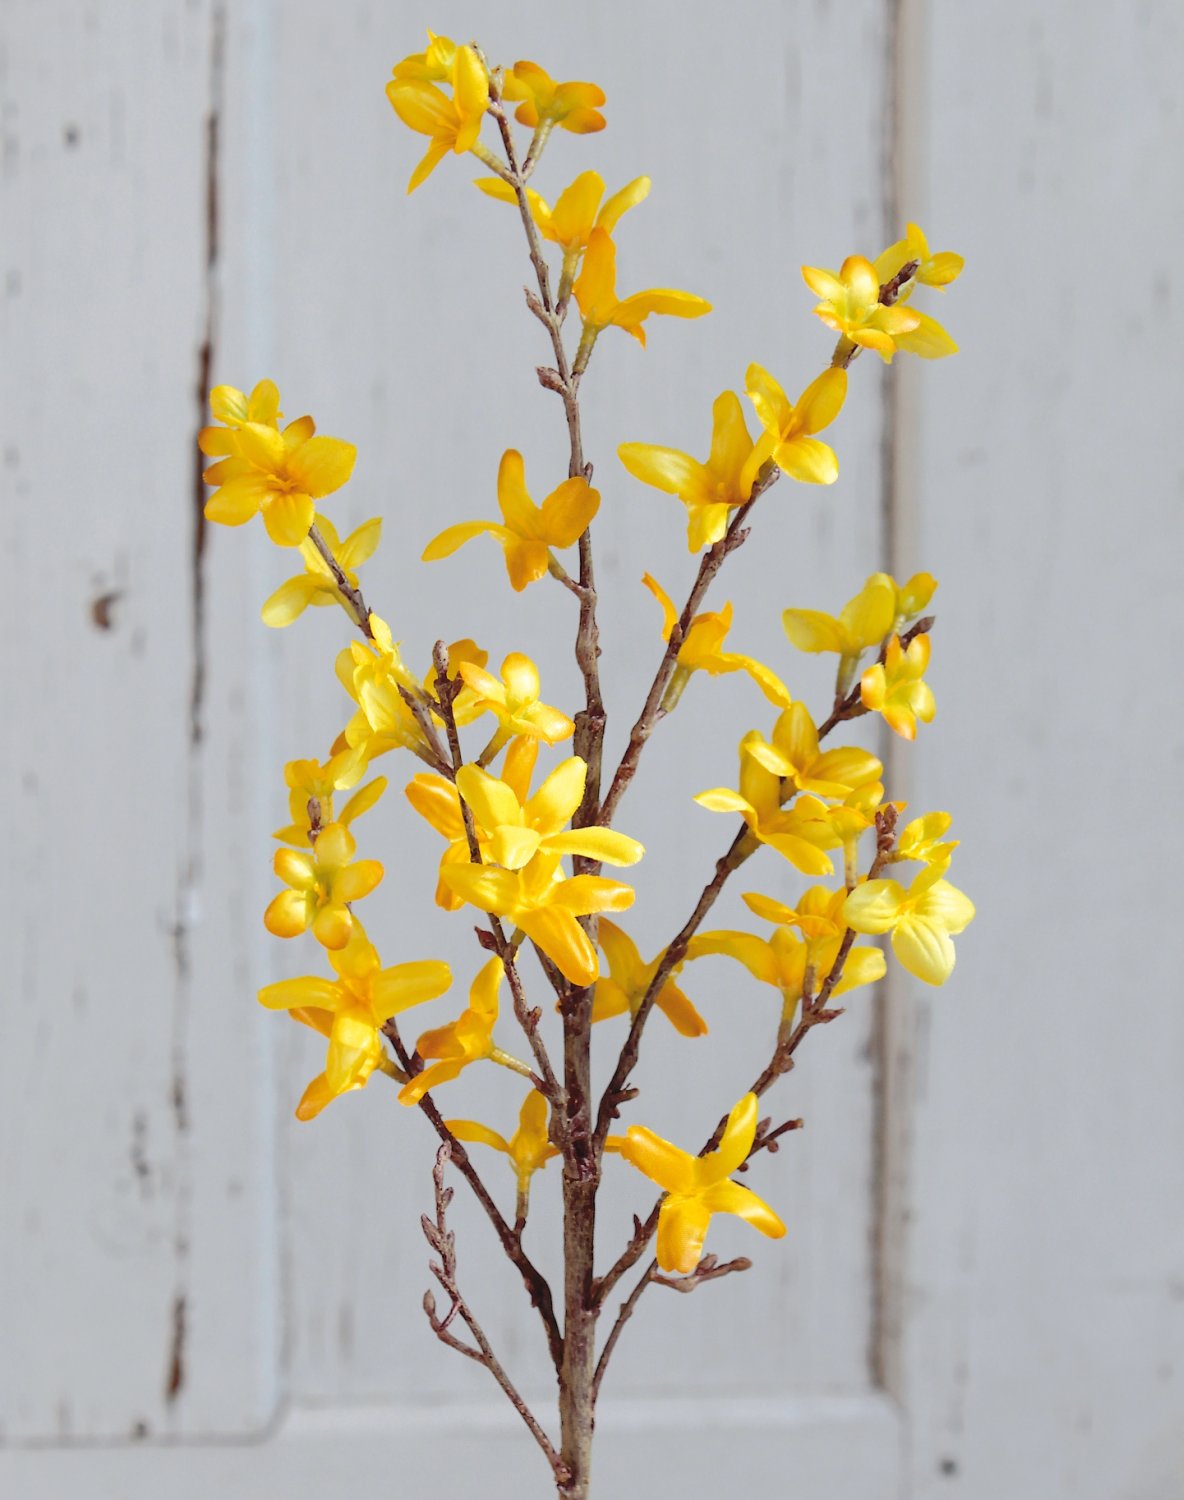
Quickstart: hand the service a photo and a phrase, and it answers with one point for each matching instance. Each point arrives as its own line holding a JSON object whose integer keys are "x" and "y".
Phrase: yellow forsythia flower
{"x": 864, "y": 623}
{"x": 818, "y": 914}
{"x": 432, "y": 66}
{"x": 799, "y": 832}
{"x": 896, "y": 689}
{"x": 529, "y": 531}
{"x": 851, "y": 306}
{"x": 921, "y": 920}
{"x": 372, "y": 675}
{"x": 436, "y": 799}
{"x": 571, "y": 106}
{"x": 280, "y": 474}
{"x": 928, "y": 339}
{"x": 309, "y": 780}
{"x": 231, "y": 407}
{"x": 321, "y": 886}
{"x": 351, "y": 1012}
{"x": 514, "y": 701}
{"x": 629, "y": 979}
{"x": 316, "y": 584}
{"x": 529, "y": 1148}
{"x": 701, "y": 650}
{"x": 469, "y": 1039}
{"x": 519, "y": 828}
{"x": 538, "y": 899}
{"x": 922, "y": 840}
{"x": 452, "y": 124}
{"x": 787, "y": 438}
{"x": 933, "y": 270}
{"x": 711, "y": 489}
{"x": 797, "y": 758}
{"x": 577, "y": 213}
{"x": 784, "y": 961}
{"x": 596, "y": 293}
{"x": 698, "y": 1187}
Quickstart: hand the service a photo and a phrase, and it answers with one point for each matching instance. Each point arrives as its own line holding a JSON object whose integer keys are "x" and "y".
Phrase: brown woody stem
{"x": 443, "y": 1242}
{"x": 537, "y": 1286}
{"x": 573, "y": 1124}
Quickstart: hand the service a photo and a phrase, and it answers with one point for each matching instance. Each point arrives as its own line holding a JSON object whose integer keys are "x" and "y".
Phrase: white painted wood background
{"x": 983, "y": 1289}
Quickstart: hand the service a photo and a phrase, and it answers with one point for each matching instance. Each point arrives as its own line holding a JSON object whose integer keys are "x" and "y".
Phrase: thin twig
{"x": 352, "y": 596}
{"x": 443, "y": 1242}
{"x": 537, "y": 1286}
{"x": 710, "y": 1268}
{"x": 624, "y": 1313}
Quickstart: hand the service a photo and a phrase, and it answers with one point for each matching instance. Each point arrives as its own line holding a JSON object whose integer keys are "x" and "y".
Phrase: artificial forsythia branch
{"x": 527, "y": 851}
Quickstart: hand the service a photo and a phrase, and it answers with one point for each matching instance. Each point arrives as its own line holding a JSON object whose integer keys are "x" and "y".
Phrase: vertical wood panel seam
{"x": 889, "y": 1129}
{"x": 191, "y": 870}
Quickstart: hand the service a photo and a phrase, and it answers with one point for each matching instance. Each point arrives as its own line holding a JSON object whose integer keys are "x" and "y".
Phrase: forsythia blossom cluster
{"x": 524, "y": 843}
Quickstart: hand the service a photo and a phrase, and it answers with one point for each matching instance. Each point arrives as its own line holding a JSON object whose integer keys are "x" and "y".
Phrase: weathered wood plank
{"x": 835, "y": 1446}
{"x": 137, "y": 1243}
{"x": 1042, "y": 1282}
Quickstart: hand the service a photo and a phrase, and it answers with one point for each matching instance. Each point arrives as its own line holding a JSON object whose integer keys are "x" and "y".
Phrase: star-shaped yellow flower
{"x": 702, "y": 650}
{"x": 316, "y": 585}
{"x": 709, "y": 490}
{"x": 545, "y": 103}
{"x": 864, "y": 623}
{"x": 629, "y": 979}
{"x": 787, "y": 438}
{"x": 452, "y": 124}
{"x": 799, "y": 832}
{"x": 545, "y": 906}
{"x": 797, "y": 758}
{"x": 577, "y": 213}
{"x": 784, "y": 961}
{"x": 321, "y": 886}
{"x": 309, "y": 780}
{"x": 928, "y": 339}
{"x": 596, "y": 293}
{"x": 469, "y": 1039}
{"x": 935, "y": 270}
{"x": 519, "y": 828}
{"x": 920, "y": 919}
{"x": 437, "y": 800}
{"x": 514, "y": 702}
{"x": 922, "y": 840}
{"x": 431, "y": 66}
{"x": 280, "y": 474}
{"x": 896, "y": 689}
{"x": 351, "y": 1011}
{"x": 851, "y": 306}
{"x": 699, "y": 1186}
{"x": 529, "y": 1148}
{"x": 231, "y": 407}
{"x": 528, "y": 531}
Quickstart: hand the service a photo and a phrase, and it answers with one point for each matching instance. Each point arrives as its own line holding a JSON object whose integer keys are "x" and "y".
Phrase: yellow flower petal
{"x": 924, "y": 949}
{"x": 397, "y": 989}
{"x": 288, "y": 517}
{"x": 322, "y": 465}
